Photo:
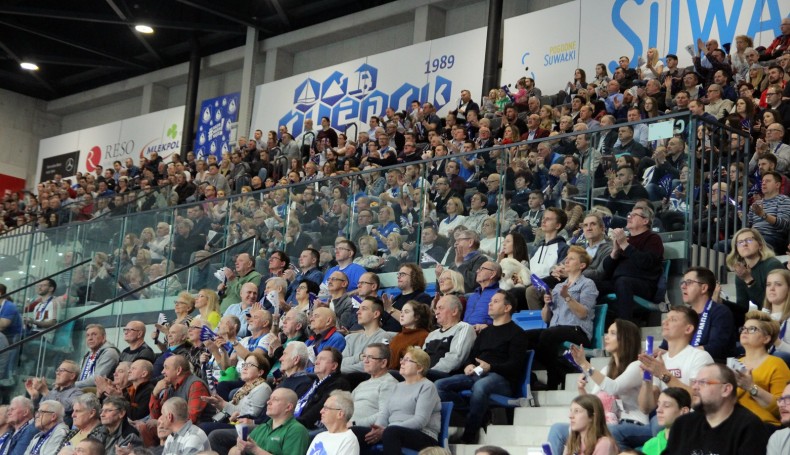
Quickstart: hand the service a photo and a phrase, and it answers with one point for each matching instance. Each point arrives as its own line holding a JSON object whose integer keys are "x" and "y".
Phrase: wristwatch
{"x": 590, "y": 371}
{"x": 753, "y": 390}
{"x": 666, "y": 377}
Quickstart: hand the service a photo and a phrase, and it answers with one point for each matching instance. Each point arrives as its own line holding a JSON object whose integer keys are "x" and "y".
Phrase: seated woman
{"x": 515, "y": 278}
{"x": 415, "y": 318}
{"x": 411, "y": 417}
{"x": 455, "y": 216}
{"x": 589, "y": 434}
{"x": 304, "y": 302}
{"x": 207, "y": 303}
{"x": 514, "y": 247}
{"x": 184, "y": 305}
{"x": 368, "y": 247}
{"x": 143, "y": 258}
{"x": 777, "y": 304}
{"x": 763, "y": 380}
{"x": 249, "y": 400}
{"x": 449, "y": 282}
{"x": 395, "y": 254}
{"x": 168, "y": 286}
{"x": 569, "y": 312}
{"x": 751, "y": 259}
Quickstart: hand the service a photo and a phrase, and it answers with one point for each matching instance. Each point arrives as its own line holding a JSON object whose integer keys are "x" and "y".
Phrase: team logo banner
{"x": 351, "y": 92}
{"x": 215, "y": 121}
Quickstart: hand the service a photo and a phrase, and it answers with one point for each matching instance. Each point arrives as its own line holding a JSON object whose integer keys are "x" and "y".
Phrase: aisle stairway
{"x": 531, "y": 426}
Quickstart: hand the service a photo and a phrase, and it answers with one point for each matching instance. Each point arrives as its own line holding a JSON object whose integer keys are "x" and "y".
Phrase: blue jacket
{"x": 18, "y": 443}
{"x": 477, "y": 305}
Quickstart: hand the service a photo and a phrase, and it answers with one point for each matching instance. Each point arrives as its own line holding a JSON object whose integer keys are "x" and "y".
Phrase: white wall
{"x": 23, "y": 121}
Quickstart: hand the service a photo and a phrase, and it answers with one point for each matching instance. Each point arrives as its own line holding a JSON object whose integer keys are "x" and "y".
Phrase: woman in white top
{"x": 620, "y": 380}
{"x": 653, "y": 67}
{"x": 455, "y": 210}
{"x": 777, "y": 304}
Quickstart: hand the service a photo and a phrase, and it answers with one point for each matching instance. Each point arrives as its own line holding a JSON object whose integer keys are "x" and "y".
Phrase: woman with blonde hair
{"x": 367, "y": 253}
{"x": 589, "y": 434}
{"x": 764, "y": 377}
{"x": 751, "y": 259}
{"x": 455, "y": 216}
{"x": 777, "y": 304}
{"x": 653, "y": 67}
{"x": 740, "y": 64}
{"x": 547, "y": 117}
{"x": 449, "y": 282}
{"x": 207, "y": 303}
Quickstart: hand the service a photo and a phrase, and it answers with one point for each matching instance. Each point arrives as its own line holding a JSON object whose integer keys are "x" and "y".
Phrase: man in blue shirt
{"x": 11, "y": 327}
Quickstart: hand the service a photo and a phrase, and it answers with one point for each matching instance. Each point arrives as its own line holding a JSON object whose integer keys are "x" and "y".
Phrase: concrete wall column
{"x": 429, "y": 23}
{"x": 247, "y": 95}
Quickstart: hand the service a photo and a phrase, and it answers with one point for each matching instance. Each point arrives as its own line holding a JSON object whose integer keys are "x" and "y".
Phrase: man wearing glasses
{"x": 134, "y": 336}
{"x": 120, "y": 431}
{"x": 63, "y": 391}
{"x": 716, "y": 330}
{"x": 779, "y": 443}
{"x": 345, "y": 251}
{"x": 773, "y": 143}
{"x": 773, "y": 97}
{"x": 52, "y": 430}
{"x": 719, "y": 424}
{"x": 634, "y": 265}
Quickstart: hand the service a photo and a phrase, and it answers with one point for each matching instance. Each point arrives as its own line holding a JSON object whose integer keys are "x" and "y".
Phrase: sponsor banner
{"x": 352, "y": 92}
{"x": 612, "y": 28}
{"x": 64, "y": 164}
{"x": 215, "y": 124}
{"x": 550, "y": 59}
{"x": 131, "y": 138}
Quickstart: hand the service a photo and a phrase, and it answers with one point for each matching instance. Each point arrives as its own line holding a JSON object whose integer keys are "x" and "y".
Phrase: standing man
{"x": 720, "y": 424}
{"x": 46, "y": 309}
{"x": 495, "y": 365}
{"x": 185, "y": 438}
{"x": 134, "y": 336}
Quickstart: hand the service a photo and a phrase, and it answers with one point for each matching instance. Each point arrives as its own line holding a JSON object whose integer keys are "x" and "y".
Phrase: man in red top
{"x": 178, "y": 381}
{"x": 780, "y": 44}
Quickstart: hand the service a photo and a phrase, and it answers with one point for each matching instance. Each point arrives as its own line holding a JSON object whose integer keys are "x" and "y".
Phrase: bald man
{"x": 134, "y": 336}
{"x": 235, "y": 280}
{"x": 323, "y": 326}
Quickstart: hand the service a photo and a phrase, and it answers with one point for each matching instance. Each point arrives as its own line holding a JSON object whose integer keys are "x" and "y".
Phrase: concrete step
{"x": 556, "y": 397}
{"x": 540, "y": 416}
{"x": 513, "y": 435}
{"x": 466, "y": 449}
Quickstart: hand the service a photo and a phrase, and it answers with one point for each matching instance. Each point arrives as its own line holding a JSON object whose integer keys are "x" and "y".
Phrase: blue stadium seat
{"x": 598, "y": 330}
{"x": 504, "y": 401}
{"x": 529, "y": 320}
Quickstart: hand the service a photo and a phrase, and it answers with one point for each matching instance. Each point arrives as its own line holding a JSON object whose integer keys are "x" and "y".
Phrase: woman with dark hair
{"x": 620, "y": 380}
{"x": 579, "y": 81}
{"x": 650, "y": 108}
{"x": 589, "y": 434}
{"x": 415, "y": 318}
{"x": 514, "y": 247}
{"x": 304, "y": 301}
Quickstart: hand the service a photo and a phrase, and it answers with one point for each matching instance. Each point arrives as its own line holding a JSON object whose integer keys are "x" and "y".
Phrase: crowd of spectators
{"x": 302, "y": 318}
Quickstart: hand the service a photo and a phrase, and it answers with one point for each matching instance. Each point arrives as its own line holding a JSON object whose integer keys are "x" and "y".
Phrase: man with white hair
{"x": 450, "y": 344}
{"x": 335, "y": 415}
{"x": 52, "y": 430}
{"x": 717, "y": 106}
{"x": 185, "y": 438}
{"x": 20, "y": 417}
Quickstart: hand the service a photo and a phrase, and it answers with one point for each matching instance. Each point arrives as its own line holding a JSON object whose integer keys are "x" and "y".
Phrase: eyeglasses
{"x": 704, "y": 382}
{"x": 250, "y": 365}
{"x": 746, "y": 241}
{"x": 128, "y": 329}
{"x": 406, "y": 359}
{"x": 41, "y": 412}
{"x": 768, "y": 93}
{"x": 753, "y": 329}
{"x": 369, "y": 283}
{"x": 485, "y": 268}
{"x": 685, "y": 283}
{"x": 400, "y": 274}
{"x": 633, "y": 214}
{"x": 108, "y": 410}
{"x": 364, "y": 357}
{"x": 181, "y": 302}
{"x": 342, "y": 248}
{"x": 784, "y": 400}
{"x": 63, "y": 370}
{"x": 332, "y": 409}
{"x": 336, "y": 279}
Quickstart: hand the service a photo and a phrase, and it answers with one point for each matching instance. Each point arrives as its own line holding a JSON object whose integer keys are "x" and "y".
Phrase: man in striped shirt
{"x": 771, "y": 216}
